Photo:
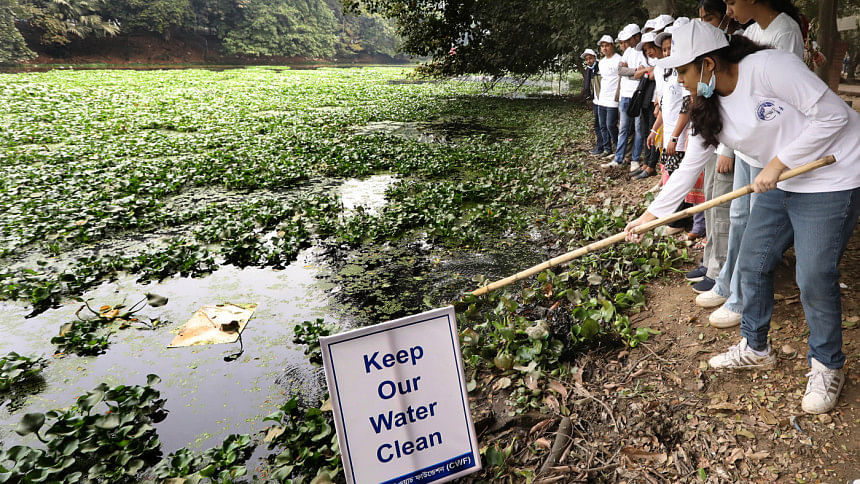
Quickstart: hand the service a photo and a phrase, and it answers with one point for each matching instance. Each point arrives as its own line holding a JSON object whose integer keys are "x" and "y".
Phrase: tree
{"x": 12, "y": 45}
{"x": 58, "y": 22}
{"x": 283, "y": 28}
{"x": 500, "y": 37}
{"x": 157, "y": 16}
{"x": 828, "y": 36}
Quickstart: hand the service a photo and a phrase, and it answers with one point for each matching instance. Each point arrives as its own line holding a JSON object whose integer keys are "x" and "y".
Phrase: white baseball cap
{"x": 663, "y": 21}
{"x": 692, "y": 40}
{"x": 646, "y": 37}
{"x": 587, "y": 52}
{"x": 606, "y": 38}
{"x": 628, "y": 31}
{"x": 650, "y": 24}
{"x": 681, "y": 21}
{"x": 666, "y": 33}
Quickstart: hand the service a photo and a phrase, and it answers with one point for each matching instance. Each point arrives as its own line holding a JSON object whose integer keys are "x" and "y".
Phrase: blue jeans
{"x": 626, "y": 124}
{"x": 608, "y": 118}
{"x": 600, "y": 147}
{"x": 820, "y": 225}
{"x": 728, "y": 284}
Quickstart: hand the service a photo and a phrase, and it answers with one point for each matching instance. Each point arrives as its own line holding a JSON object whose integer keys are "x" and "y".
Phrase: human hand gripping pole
{"x": 643, "y": 228}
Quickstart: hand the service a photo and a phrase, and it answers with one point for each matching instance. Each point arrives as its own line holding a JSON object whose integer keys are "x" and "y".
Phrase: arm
{"x": 683, "y": 179}
{"x": 652, "y": 137}
{"x": 626, "y": 71}
{"x": 825, "y": 112}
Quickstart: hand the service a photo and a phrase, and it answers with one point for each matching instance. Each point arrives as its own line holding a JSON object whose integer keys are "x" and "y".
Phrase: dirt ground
{"x": 656, "y": 413}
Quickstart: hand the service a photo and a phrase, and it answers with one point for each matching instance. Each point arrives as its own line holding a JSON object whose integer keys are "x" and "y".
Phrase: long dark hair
{"x": 787, "y": 7}
{"x": 705, "y": 112}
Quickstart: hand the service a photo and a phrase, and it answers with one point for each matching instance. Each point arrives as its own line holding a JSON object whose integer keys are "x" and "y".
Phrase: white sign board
{"x": 400, "y": 403}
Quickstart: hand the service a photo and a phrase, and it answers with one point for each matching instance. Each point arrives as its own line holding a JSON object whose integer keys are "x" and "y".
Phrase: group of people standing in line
{"x": 718, "y": 103}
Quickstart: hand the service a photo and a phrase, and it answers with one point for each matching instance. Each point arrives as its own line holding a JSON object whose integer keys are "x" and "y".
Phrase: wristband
{"x": 673, "y": 139}
{"x": 654, "y": 132}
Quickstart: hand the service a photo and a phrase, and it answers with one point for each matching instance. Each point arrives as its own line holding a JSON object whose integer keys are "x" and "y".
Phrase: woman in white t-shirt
{"x": 607, "y": 106}
{"x": 766, "y": 103}
{"x": 776, "y": 25}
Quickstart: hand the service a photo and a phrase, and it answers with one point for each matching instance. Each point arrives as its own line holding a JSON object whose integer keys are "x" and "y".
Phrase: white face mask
{"x": 706, "y": 90}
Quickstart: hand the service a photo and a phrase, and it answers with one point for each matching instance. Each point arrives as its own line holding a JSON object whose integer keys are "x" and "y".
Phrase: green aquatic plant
{"x": 105, "y": 436}
{"x": 15, "y": 369}
{"x": 307, "y": 442}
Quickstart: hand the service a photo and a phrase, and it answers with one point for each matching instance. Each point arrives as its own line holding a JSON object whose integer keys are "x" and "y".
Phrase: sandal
{"x": 700, "y": 245}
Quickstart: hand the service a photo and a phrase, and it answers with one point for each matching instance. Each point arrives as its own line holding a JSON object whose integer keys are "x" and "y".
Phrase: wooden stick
{"x": 641, "y": 229}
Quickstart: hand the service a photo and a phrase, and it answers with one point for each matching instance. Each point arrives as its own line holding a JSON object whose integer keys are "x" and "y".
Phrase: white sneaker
{"x": 634, "y": 166}
{"x": 742, "y": 357}
{"x": 822, "y": 389}
{"x": 710, "y": 299}
{"x": 609, "y": 165}
{"x": 724, "y": 318}
{"x": 610, "y": 156}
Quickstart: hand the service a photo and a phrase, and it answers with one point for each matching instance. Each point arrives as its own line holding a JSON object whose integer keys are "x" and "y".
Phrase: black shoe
{"x": 705, "y": 285}
{"x": 644, "y": 174}
{"x": 697, "y": 274}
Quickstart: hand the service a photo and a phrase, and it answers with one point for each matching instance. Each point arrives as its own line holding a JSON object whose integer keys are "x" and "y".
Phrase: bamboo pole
{"x": 641, "y": 229}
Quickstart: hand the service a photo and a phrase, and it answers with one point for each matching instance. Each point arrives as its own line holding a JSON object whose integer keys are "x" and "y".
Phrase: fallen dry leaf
{"x": 559, "y": 388}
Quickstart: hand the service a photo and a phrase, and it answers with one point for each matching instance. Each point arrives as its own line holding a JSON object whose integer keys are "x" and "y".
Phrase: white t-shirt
{"x": 658, "y": 83}
{"x": 671, "y": 102}
{"x": 778, "y": 108}
{"x": 634, "y": 59}
{"x": 608, "y": 67}
{"x": 782, "y": 33}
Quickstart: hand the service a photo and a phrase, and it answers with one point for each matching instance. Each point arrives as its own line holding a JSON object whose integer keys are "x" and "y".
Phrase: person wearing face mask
{"x": 766, "y": 103}
{"x": 775, "y": 25}
{"x": 718, "y": 180}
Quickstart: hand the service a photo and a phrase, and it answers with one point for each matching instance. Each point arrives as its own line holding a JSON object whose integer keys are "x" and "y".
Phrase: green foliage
{"x": 308, "y": 442}
{"x": 588, "y": 301}
{"x": 81, "y": 337}
{"x": 12, "y": 45}
{"x": 308, "y": 333}
{"x": 15, "y": 368}
{"x": 158, "y": 16}
{"x": 84, "y": 443}
{"x": 283, "y": 28}
{"x": 220, "y": 464}
{"x": 58, "y": 22}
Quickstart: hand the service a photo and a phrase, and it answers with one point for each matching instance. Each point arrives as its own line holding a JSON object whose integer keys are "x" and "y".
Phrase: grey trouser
{"x": 717, "y": 218}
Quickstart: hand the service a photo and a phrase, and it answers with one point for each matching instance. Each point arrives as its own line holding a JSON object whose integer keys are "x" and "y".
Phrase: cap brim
{"x": 658, "y": 41}
{"x": 674, "y": 61}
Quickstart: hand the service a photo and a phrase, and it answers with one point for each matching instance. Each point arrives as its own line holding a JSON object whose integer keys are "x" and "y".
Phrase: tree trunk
{"x": 656, "y": 7}
{"x": 828, "y": 36}
{"x": 854, "y": 52}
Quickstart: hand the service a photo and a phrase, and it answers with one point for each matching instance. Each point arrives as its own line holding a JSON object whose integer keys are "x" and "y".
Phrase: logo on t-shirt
{"x": 768, "y": 110}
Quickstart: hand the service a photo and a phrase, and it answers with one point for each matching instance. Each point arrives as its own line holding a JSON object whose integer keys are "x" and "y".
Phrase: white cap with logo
{"x": 692, "y": 40}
